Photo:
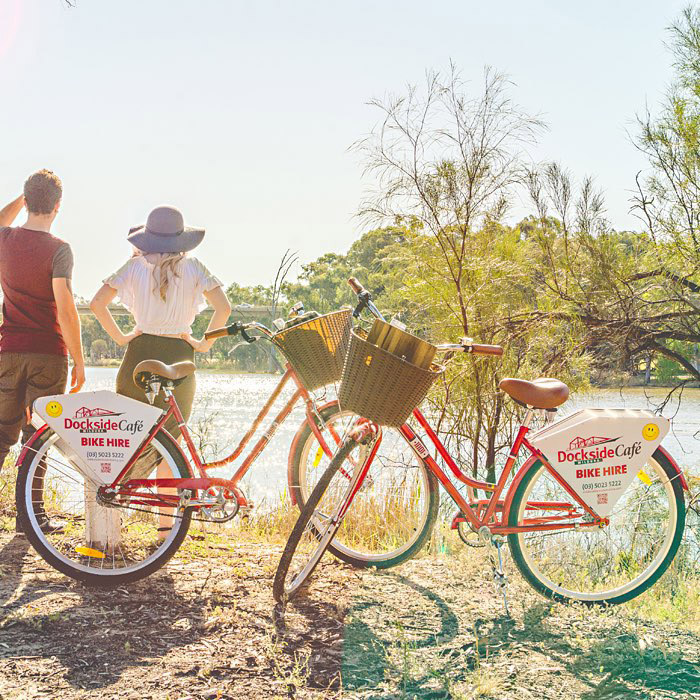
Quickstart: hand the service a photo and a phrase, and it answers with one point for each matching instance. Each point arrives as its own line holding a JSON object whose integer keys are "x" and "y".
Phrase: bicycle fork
{"x": 363, "y": 465}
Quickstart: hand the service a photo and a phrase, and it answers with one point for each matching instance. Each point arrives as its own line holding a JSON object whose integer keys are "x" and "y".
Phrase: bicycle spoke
{"x": 91, "y": 537}
{"x": 614, "y": 557}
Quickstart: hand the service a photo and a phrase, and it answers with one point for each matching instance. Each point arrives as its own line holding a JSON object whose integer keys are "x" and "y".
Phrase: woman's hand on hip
{"x": 202, "y": 345}
{"x": 128, "y": 337}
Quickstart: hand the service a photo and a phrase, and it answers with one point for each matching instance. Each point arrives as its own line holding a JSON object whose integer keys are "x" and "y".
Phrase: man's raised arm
{"x": 9, "y": 213}
{"x": 69, "y": 322}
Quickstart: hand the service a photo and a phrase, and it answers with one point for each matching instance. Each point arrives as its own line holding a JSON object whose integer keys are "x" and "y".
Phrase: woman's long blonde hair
{"x": 165, "y": 268}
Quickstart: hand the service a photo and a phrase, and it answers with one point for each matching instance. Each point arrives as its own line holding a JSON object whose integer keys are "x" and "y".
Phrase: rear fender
{"x": 176, "y": 443}
{"x": 679, "y": 471}
{"x": 30, "y": 443}
{"x": 514, "y": 486}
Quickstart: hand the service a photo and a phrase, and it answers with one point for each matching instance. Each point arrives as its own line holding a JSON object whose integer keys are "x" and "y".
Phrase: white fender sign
{"x": 99, "y": 430}
{"x": 601, "y": 451}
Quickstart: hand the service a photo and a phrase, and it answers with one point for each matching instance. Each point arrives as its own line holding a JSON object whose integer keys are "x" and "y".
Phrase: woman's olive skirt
{"x": 168, "y": 350}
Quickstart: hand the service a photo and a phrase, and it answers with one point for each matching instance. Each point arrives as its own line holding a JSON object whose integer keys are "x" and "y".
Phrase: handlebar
{"x": 465, "y": 345}
{"x": 242, "y": 328}
{"x": 478, "y": 349}
{"x": 364, "y": 300}
{"x": 220, "y": 332}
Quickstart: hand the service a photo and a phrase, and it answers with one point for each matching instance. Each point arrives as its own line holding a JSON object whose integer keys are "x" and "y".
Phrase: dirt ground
{"x": 207, "y": 627}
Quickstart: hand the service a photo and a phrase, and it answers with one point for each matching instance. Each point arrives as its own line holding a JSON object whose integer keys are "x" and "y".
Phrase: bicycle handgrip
{"x": 486, "y": 349}
{"x": 222, "y": 332}
{"x": 356, "y": 286}
{"x": 216, "y": 333}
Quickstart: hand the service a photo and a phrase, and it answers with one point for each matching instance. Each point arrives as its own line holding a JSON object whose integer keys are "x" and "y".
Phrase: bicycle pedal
{"x": 500, "y": 579}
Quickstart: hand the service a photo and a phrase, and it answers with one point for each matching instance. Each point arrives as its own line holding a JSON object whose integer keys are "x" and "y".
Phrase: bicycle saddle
{"x": 540, "y": 393}
{"x": 174, "y": 373}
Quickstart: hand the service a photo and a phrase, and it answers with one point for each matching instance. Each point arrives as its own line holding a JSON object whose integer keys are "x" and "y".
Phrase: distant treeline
{"x": 563, "y": 291}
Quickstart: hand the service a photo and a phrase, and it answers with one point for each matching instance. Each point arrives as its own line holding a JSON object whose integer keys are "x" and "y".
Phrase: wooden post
{"x": 102, "y": 525}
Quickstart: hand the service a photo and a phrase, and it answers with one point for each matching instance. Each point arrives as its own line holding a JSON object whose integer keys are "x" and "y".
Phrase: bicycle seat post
{"x": 153, "y": 389}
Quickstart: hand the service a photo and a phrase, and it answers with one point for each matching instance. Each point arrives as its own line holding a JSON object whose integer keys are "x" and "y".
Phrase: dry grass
{"x": 675, "y": 599}
{"x": 433, "y": 628}
{"x": 8, "y": 477}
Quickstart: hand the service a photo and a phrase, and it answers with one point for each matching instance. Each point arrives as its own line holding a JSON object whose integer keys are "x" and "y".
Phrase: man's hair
{"x": 42, "y": 192}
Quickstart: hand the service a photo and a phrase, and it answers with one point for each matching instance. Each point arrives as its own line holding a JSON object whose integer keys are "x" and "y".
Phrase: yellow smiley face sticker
{"x": 650, "y": 431}
{"x": 54, "y": 409}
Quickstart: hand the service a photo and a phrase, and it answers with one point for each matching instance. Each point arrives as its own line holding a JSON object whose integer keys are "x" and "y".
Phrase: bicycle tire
{"x": 343, "y": 551}
{"x": 304, "y": 437}
{"x": 99, "y": 578}
{"x": 544, "y": 585}
{"x": 281, "y": 592}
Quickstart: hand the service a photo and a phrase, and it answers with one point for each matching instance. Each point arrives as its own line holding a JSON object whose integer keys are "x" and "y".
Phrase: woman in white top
{"x": 164, "y": 289}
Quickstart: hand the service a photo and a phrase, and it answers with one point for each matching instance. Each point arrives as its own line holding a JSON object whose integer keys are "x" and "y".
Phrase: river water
{"x": 226, "y": 404}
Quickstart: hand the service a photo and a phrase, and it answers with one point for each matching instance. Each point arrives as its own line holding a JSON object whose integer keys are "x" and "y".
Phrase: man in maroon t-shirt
{"x": 40, "y": 324}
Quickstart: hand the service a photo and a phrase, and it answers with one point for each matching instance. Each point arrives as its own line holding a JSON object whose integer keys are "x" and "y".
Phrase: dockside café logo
{"x": 596, "y": 449}
{"x": 101, "y": 420}
{"x": 588, "y": 450}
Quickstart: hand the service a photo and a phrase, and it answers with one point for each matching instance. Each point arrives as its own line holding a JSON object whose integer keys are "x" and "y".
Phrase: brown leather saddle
{"x": 543, "y": 393}
{"x": 146, "y": 370}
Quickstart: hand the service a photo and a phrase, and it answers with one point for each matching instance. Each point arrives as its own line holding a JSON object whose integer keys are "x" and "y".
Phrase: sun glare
{"x": 9, "y": 23}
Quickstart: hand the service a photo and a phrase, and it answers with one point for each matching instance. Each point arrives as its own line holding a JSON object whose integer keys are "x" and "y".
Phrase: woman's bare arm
{"x": 100, "y": 307}
{"x": 222, "y": 310}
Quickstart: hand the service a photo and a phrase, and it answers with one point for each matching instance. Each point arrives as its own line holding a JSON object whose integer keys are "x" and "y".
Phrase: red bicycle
{"x": 595, "y": 513}
{"x": 106, "y": 495}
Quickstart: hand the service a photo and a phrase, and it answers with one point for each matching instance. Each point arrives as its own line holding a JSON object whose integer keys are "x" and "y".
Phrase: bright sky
{"x": 241, "y": 113}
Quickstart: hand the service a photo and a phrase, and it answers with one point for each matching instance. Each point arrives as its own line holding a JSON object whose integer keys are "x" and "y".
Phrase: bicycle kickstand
{"x": 499, "y": 576}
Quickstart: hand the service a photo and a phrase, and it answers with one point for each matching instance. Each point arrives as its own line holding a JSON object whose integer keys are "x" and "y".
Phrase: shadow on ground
{"x": 202, "y": 627}
{"x": 629, "y": 662}
{"x": 94, "y": 635}
{"x": 205, "y": 627}
{"x": 404, "y": 638}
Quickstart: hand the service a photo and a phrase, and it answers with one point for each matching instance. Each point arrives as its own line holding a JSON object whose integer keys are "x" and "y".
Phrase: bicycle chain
{"x": 145, "y": 510}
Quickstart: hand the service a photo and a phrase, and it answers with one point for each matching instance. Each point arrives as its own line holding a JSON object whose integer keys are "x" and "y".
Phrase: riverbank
{"x": 636, "y": 382}
{"x": 202, "y": 366}
{"x": 207, "y": 627}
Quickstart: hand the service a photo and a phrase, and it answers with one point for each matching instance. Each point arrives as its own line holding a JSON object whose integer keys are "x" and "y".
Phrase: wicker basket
{"x": 381, "y": 386}
{"x": 316, "y": 349}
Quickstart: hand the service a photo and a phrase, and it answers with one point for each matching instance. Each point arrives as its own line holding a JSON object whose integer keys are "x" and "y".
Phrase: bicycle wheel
{"x": 394, "y": 512}
{"x": 57, "y": 511}
{"x": 307, "y": 459}
{"x": 612, "y": 564}
{"x": 314, "y": 529}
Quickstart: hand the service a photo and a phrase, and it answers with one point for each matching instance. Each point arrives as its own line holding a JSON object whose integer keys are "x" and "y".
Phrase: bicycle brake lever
{"x": 362, "y": 304}
{"x": 248, "y": 338}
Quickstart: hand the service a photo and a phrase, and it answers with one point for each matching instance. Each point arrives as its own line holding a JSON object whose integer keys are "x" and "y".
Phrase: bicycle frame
{"x": 492, "y": 512}
{"x": 486, "y": 510}
{"x": 205, "y": 482}
{"x": 490, "y": 516}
